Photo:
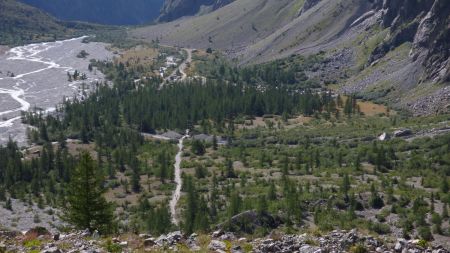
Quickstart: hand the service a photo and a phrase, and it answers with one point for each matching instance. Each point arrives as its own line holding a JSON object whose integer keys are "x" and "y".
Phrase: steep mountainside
{"x": 362, "y": 39}
{"x": 409, "y": 66}
{"x": 117, "y": 12}
{"x": 231, "y": 27}
{"x": 22, "y": 23}
{"x": 174, "y": 9}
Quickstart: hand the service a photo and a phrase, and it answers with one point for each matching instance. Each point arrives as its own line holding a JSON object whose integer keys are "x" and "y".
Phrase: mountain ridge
{"x": 118, "y": 12}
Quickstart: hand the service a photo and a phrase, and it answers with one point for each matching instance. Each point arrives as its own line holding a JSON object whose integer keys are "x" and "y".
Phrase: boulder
{"x": 249, "y": 221}
{"x": 96, "y": 234}
{"x": 216, "y": 245}
{"x": 51, "y": 250}
{"x": 228, "y": 236}
{"x": 402, "y": 132}
{"x": 149, "y": 242}
{"x": 144, "y": 236}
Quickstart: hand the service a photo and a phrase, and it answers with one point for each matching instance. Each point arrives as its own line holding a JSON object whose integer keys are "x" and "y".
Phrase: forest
{"x": 330, "y": 169}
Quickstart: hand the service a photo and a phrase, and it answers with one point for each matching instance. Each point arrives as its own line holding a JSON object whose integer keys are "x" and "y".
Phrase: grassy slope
{"x": 316, "y": 29}
{"x": 238, "y": 24}
{"x": 259, "y": 30}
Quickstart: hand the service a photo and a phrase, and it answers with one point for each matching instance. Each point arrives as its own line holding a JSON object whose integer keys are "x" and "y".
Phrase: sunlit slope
{"x": 236, "y": 25}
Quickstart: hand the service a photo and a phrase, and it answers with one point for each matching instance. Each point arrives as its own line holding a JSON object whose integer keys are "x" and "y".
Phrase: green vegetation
{"x": 87, "y": 208}
{"x": 281, "y": 147}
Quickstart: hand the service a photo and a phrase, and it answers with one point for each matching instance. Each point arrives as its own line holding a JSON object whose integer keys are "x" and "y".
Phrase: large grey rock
{"x": 51, "y": 250}
{"x": 216, "y": 245}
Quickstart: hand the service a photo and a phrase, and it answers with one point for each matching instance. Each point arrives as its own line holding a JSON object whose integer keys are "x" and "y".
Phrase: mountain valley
{"x": 225, "y": 126}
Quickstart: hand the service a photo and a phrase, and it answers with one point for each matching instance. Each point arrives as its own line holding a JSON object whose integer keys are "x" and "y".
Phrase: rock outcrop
{"x": 249, "y": 221}
{"x": 426, "y": 24}
{"x": 335, "y": 241}
{"x": 174, "y": 9}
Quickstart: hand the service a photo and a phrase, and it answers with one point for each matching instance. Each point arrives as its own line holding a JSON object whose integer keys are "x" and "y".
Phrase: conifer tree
{"x": 272, "y": 193}
{"x": 191, "y": 208}
{"x": 345, "y": 185}
{"x": 87, "y": 208}
{"x": 214, "y": 142}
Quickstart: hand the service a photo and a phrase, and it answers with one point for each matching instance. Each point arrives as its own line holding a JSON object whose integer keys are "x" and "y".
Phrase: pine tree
{"x": 262, "y": 205}
{"x": 345, "y": 185}
{"x": 375, "y": 200}
{"x": 272, "y": 192}
{"x": 230, "y": 169}
{"x": 87, "y": 208}
{"x": 2, "y": 194}
{"x": 213, "y": 198}
{"x": 235, "y": 204}
{"x": 192, "y": 206}
{"x": 444, "y": 185}
{"x": 214, "y": 143}
{"x": 8, "y": 204}
{"x": 444, "y": 212}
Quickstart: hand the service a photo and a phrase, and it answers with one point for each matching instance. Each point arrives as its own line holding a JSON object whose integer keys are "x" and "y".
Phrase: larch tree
{"x": 87, "y": 208}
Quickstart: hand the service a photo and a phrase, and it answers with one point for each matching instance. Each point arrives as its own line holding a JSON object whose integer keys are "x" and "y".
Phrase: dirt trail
{"x": 176, "y": 194}
{"x": 181, "y": 68}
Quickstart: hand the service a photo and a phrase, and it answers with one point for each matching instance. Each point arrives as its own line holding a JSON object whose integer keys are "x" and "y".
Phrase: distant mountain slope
{"x": 116, "y": 12}
{"x": 22, "y": 23}
{"x": 174, "y": 9}
{"x": 236, "y": 25}
{"x": 392, "y": 51}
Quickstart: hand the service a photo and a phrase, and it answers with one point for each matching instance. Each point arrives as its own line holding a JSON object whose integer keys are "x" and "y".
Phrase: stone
{"x": 144, "y": 236}
{"x": 236, "y": 249}
{"x": 242, "y": 239}
{"x": 174, "y": 237}
{"x": 96, "y": 234}
{"x": 402, "y": 132}
{"x": 398, "y": 247}
{"x": 217, "y": 233}
{"x": 149, "y": 242}
{"x": 51, "y": 250}
{"x": 86, "y": 233}
{"x": 228, "y": 236}
{"x": 216, "y": 245}
{"x": 123, "y": 244}
{"x": 56, "y": 236}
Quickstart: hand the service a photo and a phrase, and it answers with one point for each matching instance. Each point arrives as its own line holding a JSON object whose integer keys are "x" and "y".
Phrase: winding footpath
{"x": 181, "y": 68}
{"x": 179, "y": 182}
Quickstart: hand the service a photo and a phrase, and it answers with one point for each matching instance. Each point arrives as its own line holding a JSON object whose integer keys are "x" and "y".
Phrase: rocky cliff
{"x": 174, "y": 9}
{"x": 426, "y": 24}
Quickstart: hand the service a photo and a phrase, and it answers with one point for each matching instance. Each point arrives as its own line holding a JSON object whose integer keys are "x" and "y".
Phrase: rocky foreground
{"x": 40, "y": 240}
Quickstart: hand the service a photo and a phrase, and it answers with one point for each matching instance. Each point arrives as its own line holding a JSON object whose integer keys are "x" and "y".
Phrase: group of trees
{"x": 61, "y": 180}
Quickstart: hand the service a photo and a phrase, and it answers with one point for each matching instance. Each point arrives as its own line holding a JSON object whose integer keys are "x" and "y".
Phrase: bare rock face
{"x": 433, "y": 37}
{"x": 426, "y": 24}
{"x": 174, "y": 9}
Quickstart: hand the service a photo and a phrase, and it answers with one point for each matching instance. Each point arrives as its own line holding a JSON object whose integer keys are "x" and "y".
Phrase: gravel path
{"x": 181, "y": 68}
{"x": 176, "y": 194}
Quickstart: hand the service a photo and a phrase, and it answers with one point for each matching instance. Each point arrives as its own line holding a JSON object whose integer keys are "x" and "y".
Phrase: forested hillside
{"x": 117, "y": 12}
{"x": 20, "y": 23}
